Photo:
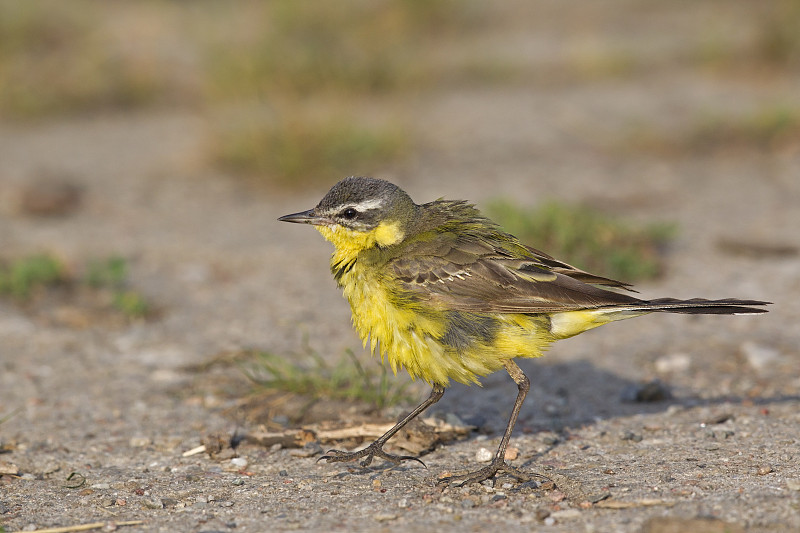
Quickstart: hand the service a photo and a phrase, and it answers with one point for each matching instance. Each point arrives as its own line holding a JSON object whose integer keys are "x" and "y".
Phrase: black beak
{"x": 305, "y": 217}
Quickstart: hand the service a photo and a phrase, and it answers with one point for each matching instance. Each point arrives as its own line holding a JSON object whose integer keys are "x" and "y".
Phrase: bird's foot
{"x": 487, "y": 472}
{"x": 368, "y": 454}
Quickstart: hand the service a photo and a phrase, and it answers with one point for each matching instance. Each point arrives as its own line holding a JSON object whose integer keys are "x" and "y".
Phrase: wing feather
{"x": 471, "y": 274}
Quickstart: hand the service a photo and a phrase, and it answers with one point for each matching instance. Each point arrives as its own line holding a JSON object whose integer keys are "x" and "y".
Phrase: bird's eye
{"x": 349, "y": 213}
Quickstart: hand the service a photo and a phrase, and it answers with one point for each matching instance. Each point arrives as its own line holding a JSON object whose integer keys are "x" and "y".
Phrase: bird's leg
{"x": 376, "y": 448}
{"x": 498, "y": 464}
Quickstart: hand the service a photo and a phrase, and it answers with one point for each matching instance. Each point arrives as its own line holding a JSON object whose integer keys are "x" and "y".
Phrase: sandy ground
{"x": 118, "y": 405}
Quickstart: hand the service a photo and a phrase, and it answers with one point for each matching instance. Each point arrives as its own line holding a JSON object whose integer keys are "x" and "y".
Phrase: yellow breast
{"x": 410, "y": 334}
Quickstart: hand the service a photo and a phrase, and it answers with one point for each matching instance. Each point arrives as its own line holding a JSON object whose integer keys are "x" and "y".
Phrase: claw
{"x": 409, "y": 458}
{"x": 368, "y": 453}
{"x": 483, "y": 474}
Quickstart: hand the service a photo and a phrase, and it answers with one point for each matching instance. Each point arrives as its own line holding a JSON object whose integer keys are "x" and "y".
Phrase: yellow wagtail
{"x": 441, "y": 291}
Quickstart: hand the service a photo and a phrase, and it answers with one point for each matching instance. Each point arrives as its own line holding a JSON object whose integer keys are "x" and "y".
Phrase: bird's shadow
{"x": 571, "y": 394}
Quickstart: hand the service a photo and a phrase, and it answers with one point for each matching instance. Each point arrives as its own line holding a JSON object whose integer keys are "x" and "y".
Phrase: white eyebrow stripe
{"x": 366, "y": 205}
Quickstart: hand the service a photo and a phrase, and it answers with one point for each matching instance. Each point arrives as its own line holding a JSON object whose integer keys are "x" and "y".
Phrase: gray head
{"x": 360, "y": 204}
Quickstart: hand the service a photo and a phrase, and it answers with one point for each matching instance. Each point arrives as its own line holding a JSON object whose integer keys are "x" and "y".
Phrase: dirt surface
{"x": 101, "y": 412}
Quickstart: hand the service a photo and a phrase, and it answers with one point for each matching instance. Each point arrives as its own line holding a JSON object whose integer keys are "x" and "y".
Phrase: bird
{"x": 443, "y": 292}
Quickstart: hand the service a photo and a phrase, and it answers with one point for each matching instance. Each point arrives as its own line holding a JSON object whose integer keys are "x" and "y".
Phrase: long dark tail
{"x": 728, "y": 306}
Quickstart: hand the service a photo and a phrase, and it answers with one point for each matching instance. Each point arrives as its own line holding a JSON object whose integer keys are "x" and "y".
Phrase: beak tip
{"x": 303, "y": 217}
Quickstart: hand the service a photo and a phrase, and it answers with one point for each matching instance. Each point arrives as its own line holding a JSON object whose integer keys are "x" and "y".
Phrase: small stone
{"x": 550, "y": 440}
{"x": 281, "y": 420}
{"x": 403, "y": 503}
{"x": 239, "y": 462}
{"x": 764, "y": 470}
{"x": 598, "y": 497}
{"x": 153, "y": 503}
{"x": 238, "y": 482}
{"x": 225, "y": 455}
{"x": 511, "y": 453}
{"x": 718, "y": 419}
{"x": 8, "y": 469}
{"x": 139, "y": 442}
{"x": 100, "y": 486}
{"x": 673, "y": 363}
{"x": 454, "y": 420}
{"x": 384, "y": 517}
{"x": 529, "y": 485}
{"x": 226, "y": 503}
{"x": 654, "y": 391}
{"x": 283, "y": 473}
{"x": 566, "y": 513}
{"x": 483, "y": 455}
{"x": 630, "y": 435}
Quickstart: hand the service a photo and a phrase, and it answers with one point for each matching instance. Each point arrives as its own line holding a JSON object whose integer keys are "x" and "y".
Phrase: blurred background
{"x": 146, "y": 149}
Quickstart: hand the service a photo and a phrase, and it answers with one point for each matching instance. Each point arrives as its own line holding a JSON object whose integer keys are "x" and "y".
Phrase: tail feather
{"x": 727, "y": 306}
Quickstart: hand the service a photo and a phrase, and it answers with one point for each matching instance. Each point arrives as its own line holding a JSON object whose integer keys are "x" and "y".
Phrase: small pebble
{"x": 384, "y": 517}
{"x": 511, "y": 453}
{"x": 281, "y": 420}
{"x": 153, "y": 503}
{"x": 566, "y": 513}
{"x": 764, "y": 470}
{"x": 654, "y": 391}
{"x": 239, "y": 462}
{"x": 676, "y": 362}
{"x": 238, "y": 482}
{"x": 139, "y": 442}
{"x": 483, "y": 455}
{"x": 793, "y": 484}
{"x": 630, "y": 435}
{"x": 101, "y": 486}
{"x": 550, "y": 440}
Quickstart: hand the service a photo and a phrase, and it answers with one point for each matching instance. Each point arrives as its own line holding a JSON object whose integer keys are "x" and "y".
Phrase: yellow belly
{"x": 409, "y": 335}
